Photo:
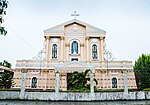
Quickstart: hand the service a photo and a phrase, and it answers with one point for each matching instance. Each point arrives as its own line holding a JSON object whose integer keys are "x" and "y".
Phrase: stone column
{"x": 91, "y": 82}
{"x": 125, "y": 82}
{"x": 87, "y": 48}
{"x": 23, "y": 84}
{"x": 47, "y": 47}
{"x": 101, "y": 48}
{"x": 62, "y": 48}
{"x": 57, "y": 82}
{"x": 82, "y": 52}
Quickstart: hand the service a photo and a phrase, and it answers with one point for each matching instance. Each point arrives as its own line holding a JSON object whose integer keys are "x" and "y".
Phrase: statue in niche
{"x": 74, "y": 48}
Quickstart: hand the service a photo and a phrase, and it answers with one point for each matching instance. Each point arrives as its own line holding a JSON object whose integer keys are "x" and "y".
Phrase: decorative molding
{"x": 62, "y": 37}
{"x": 74, "y": 21}
{"x": 87, "y": 38}
{"x": 102, "y": 38}
{"x": 24, "y": 70}
{"x": 82, "y": 45}
{"x": 63, "y": 74}
{"x": 35, "y": 72}
{"x": 47, "y": 37}
{"x": 67, "y": 44}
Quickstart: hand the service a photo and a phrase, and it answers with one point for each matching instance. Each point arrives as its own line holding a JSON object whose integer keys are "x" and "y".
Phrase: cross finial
{"x": 75, "y": 14}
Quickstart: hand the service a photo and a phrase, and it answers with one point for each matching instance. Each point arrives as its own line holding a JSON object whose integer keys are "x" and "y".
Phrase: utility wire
{"x": 19, "y": 37}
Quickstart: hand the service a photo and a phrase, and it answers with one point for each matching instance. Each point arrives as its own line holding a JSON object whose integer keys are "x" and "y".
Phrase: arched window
{"x": 94, "y": 51}
{"x": 114, "y": 82}
{"x": 34, "y": 82}
{"x": 54, "y": 51}
{"x": 74, "y": 47}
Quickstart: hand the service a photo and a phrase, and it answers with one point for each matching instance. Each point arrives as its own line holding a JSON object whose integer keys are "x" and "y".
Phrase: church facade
{"x": 74, "y": 46}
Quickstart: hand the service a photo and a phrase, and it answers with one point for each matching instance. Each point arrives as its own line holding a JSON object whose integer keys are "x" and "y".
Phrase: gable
{"x": 75, "y": 64}
{"x": 67, "y": 26}
{"x": 74, "y": 28}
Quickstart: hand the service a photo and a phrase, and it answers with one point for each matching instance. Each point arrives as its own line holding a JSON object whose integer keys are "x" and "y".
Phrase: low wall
{"x": 98, "y": 96}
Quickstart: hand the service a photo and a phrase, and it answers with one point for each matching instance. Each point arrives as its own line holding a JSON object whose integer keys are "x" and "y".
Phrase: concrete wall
{"x": 100, "y": 96}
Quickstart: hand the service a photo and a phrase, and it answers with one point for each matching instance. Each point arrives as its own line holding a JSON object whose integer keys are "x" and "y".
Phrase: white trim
{"x": 74, "y": 38}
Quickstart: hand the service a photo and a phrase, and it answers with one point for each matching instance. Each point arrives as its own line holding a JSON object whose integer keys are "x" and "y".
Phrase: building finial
{"x": 75, "y": 14}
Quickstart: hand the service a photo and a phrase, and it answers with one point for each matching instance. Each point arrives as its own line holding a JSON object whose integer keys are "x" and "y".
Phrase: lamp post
{"x": 107, "y": 58}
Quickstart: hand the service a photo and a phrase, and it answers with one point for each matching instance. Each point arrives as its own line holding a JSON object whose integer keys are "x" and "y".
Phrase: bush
{"x": 109, "y": 90}
{"x": 11, "y": 89}
{"x": 40, "y": 90}
{"x": 146, "y": 89}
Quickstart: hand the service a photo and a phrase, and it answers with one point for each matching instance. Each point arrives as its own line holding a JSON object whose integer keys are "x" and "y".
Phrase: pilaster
{"x": 47, "y": 47}
{"x": 101, "y": 48}
{"x": 62, "y": 48}
{"x": 82, "y": 51}
{"x": 67, "y": 51}
{"x": 87, "y": 48}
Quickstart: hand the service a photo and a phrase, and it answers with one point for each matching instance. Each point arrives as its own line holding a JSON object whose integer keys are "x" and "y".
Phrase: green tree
{"x": 6, "y": 64}
{"x": 3, "y": 6}
{"x": 142, "y": 71}
{"x": 79, "y": 81}
{"x": 6, "y": 80}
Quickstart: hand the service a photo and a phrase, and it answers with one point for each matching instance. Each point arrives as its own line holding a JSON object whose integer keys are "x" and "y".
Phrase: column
{"x": 23, "y": 84}
{"x": 62, "y": 48}
{"x": 82, "y": 52}
{"x": 125, "y": 82}
{"x": 87, "y": 48}
{"x": 91, "y": 82}
{"x": 57, "y": 82}
{"x": 47, "y": 47}
{"x": 67, "y": 51}
{"x": 101, "y": 48}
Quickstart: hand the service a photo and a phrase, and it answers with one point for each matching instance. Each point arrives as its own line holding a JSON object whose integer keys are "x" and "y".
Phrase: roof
{"x": 74, "y": 21}
{"x": 5, "y": 68}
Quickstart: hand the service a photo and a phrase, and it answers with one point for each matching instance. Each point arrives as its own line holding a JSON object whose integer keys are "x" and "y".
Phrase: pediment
{"x": 75, "y": 64}
{"x": 80, "y": 24}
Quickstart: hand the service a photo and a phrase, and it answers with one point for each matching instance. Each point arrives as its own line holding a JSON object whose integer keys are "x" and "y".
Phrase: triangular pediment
{"x": 75, "y": 64}
{"x": 60, "y": 28}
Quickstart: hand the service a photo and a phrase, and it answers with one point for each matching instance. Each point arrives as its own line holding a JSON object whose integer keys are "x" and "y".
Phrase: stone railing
{"x": 51, "y": 96}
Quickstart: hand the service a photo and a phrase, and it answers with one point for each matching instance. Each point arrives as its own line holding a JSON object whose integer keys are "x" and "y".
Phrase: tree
{"x": 6, "y": 64}
{"x": 142, "y": 71}
{"x": 6, "y": 80}
{"x": 79, "y": 81}
{"x": 3, "y": 6}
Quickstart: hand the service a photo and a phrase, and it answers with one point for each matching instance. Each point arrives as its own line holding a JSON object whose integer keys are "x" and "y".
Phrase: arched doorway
{"x": 34, "y": 82}
{"x": 114, "y": 82}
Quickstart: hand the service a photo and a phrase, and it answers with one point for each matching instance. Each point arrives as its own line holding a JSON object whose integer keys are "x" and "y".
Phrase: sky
{"x": 126, "y": 22}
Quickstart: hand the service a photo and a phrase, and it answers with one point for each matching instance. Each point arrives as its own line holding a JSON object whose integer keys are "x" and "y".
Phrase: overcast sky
{"x": 126, "y": 22}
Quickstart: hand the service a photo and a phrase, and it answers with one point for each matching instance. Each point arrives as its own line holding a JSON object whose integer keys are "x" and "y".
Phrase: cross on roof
{"x": 75, "y": 14}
